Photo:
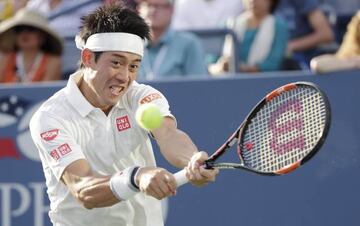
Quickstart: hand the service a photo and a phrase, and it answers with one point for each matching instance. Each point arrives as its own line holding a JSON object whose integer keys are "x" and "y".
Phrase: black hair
{"x": 114, "y": 18}
{"x": 274, "y": 5}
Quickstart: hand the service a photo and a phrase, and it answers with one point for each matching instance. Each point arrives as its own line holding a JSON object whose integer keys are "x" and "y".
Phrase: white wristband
{"x": 121, "y": 183}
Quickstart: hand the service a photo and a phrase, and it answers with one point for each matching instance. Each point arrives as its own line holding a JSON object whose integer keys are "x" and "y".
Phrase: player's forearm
{"x": 177, "y": 148}
{"x": 90, "y": 190}
{"x": 96, "y": 193}
{"x": 93, "y": 192}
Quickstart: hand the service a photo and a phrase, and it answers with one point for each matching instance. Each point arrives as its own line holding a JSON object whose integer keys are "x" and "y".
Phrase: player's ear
{"x": 86, "y": 56}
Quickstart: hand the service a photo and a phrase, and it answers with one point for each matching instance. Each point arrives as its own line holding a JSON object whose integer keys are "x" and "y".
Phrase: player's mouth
{"x": 116, "y": 90}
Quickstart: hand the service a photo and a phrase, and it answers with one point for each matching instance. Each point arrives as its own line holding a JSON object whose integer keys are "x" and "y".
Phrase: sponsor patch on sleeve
{"x": 49, "y": 135}
{"x": 54, "y": 154}
{"x": 64, "y": 149}
{"x": 149, "y": 98}
{"x": 61, "y": 151}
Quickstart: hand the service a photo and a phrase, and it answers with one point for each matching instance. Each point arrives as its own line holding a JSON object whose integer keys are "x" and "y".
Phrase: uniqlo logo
{"x": 55, "y": 154}
{"x": 64, "y": 149}
{"x": 50, "y": 135}
{"x": 123, "y": 123}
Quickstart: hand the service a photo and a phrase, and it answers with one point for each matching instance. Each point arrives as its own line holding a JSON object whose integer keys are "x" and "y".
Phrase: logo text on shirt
{"x": 64, "y": 149}
{"x": 55, "y": 154}
{"x": 150, "y": 97}
{"x": 123, "y": 123}
{"x": 49, "y": 135}
{"x": 60, "y": 151}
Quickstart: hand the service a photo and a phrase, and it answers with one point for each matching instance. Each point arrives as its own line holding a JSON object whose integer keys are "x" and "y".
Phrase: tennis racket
{"x": 282, "y": 132}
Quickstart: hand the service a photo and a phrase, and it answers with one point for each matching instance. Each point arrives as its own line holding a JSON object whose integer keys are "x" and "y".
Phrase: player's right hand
{"x": 156, "y": 182}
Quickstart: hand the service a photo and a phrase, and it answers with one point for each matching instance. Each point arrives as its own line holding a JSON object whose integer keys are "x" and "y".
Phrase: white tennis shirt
{"x": 67, "y": 128}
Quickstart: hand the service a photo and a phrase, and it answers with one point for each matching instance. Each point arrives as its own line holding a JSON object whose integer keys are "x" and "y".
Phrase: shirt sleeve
{"x": 55, "y": 142}
{"x": 148, "y": 94}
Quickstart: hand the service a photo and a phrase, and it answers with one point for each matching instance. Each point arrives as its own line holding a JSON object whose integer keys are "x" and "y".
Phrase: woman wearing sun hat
{"x": 30, "y": 51}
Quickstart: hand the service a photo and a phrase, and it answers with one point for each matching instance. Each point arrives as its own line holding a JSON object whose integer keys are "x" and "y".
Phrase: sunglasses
{"x": 25, "y": 28}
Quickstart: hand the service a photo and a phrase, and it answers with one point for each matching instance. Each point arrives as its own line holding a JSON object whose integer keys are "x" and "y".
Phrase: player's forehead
{"x": 121, "y": 55}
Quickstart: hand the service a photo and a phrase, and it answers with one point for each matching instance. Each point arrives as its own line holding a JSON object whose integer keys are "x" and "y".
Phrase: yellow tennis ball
{"x": 148, "y": 116}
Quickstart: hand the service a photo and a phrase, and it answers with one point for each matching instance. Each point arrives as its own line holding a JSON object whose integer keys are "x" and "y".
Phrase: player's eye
{"x": 133, "y": 67}
{"x": 115, "y": 62}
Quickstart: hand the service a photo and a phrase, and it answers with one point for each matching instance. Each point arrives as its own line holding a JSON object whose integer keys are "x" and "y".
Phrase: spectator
{"x": 9, "y": 7}
{"x": 64, "y": 15}
{"x": 169, "y": 53}
{"x": 132, "y": 4}
{"x": 30, "y": 49}
{"x": 308, "y": 27}
{"x": 348, "y": 55}
{"x": 204, "y": 14}
{"x": 344, "y": 6}
{"x": 262, "y": 37}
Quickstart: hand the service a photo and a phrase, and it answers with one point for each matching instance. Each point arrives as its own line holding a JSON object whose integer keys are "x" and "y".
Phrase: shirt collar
{"x": 75, "y": 97}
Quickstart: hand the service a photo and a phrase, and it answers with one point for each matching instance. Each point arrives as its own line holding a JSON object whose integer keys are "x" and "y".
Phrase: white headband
{"x": 111, "y": 41}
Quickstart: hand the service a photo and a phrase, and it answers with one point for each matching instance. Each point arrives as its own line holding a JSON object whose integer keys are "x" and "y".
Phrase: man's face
{"x": 157, "y": 13}
{"x": 109, "y": 77}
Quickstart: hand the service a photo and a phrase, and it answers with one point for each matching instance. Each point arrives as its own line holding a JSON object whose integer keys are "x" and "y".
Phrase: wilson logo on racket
{"x": 49, "y": 135}
{"x": 293, "y": 123}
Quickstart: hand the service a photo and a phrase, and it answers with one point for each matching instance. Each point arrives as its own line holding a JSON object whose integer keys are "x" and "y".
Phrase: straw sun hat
{"x": 25, "y": 17}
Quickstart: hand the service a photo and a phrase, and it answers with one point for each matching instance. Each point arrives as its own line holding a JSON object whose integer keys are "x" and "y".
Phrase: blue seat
{"x": 213, "y": 41}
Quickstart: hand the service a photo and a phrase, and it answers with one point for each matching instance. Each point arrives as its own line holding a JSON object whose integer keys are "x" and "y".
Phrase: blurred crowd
{"x": 190, "y": 38}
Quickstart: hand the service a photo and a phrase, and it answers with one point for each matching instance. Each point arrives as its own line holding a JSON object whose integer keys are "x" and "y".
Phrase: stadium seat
{"x": 213, "y": 40}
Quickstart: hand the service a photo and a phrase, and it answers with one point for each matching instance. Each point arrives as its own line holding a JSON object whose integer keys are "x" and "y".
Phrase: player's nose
{"x": 122, "y": 76}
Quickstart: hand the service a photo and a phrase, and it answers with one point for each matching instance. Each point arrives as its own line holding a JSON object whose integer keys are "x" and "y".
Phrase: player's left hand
{"x": 196, "y": 172}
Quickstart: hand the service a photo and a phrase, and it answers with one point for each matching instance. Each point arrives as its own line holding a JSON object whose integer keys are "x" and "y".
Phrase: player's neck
{"x": 90, "y": 96}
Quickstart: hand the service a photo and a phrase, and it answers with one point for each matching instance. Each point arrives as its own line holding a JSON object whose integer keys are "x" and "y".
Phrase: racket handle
{"x": 181, "y": 178}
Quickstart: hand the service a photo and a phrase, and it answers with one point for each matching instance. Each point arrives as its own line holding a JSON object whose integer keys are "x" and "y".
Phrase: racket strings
{"x": 284, "y": 131}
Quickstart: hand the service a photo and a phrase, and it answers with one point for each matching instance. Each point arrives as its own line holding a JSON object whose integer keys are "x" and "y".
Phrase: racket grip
{"x": 181, "y": 178}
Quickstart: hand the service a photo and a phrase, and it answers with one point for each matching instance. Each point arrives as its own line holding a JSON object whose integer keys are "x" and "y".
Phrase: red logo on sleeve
{"x": 150, "y": 97}
{"x": 123, "y": 123}
{"x": 50, "y": 135}
{"x": 64, "y": 149}
{"x": 55, "y": 154}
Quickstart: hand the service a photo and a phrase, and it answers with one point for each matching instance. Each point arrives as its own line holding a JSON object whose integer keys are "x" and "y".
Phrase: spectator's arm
{"x": 322, "y": 33}
{"x": 330, "y": 62}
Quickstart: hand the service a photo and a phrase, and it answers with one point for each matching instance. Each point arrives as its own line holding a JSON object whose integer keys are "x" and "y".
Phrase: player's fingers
{"x": 171, "y": 182}
{"x": 162, "y": 187}
{"x": 155, "y": 191}
{"x": 209, "y": 174}
{"x": 194, "y": 173}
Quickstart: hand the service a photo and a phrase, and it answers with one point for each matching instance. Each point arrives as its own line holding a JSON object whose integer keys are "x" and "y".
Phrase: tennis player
{"x": 98, "y": 163}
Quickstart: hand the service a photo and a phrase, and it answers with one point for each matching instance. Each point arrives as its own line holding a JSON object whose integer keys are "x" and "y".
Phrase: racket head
{"x": 284, "y": 130}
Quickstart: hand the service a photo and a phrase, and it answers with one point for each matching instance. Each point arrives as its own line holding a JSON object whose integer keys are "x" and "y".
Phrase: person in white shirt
{"x": 98, "y": 163}
{"x": 204, "y": 14}
{"x": 64, "y": 15}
